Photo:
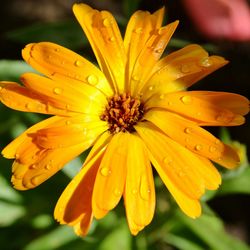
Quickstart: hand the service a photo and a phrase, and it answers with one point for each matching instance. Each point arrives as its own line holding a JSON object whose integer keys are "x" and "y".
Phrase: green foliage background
{"x": 26, "y": 218}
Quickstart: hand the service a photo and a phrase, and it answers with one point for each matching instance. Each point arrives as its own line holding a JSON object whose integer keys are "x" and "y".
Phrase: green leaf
{"x": 238, "y": 184}
{"x": 181, "y": 243}
{"x": 120, "y": 236}
{"x": 9, "y": 213}
{"x": 66, "y": 33}
{"x": 211, "y": 230}
{"x": 53, "y": 240}
{"x": 10, "y": 70}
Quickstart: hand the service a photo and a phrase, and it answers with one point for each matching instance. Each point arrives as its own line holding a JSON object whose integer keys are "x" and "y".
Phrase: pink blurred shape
{"x": 221, "y": 19}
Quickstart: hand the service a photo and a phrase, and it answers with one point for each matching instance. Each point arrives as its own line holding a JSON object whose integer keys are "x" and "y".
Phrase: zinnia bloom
{"x": 133, "y": 111}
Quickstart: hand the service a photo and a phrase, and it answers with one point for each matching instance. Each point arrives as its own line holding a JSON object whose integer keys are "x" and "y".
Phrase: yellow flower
{"x": 134, "y": 111}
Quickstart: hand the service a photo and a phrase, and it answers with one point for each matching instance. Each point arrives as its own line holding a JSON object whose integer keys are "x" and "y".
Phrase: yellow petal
{"x": 82, "y": 227}
{"x": 104, "y": 36}
{"x": 192, "y": 106}
{"x": 20, "y": 98}
{"x": 110, "y": 179}
{"x": 139, "y": 29}
{"x": 139, "y": 194}
{"x": 196, "y": 139}
{"x": 167, "y": 157}
{"x": 68, "y": 209}
{"x": 181, "y": 69}
{"x": 149, "y": 55}
{"x": 59, "y": 63}
{"x": 48, "y": 162}
{"x": 69, "y": 134}
{"x": 10, "y": 151}
{"x": 65, "y": 95}
{"x": 174, "y": 159}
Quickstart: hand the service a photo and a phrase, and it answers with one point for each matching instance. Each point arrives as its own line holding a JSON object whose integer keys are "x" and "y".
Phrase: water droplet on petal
{"x": 158, "y": 51}
{"x": 223, "y": 117}
{"x": 68, "y": 122}
{"x": 57, "y": 91}
{"x": 186, "y": 99}
{"x": 57, "y": 50}
{"x": 117, "y": 192}
{"x": 188, "y": 130}
{"x": 205, "y": 62}
{"x": 106, "y": 22}
{"x": 48, "y": 167}
{"x": 167, "y": 160}
{"x": 79, "y": 63}
{"x": 185, "y": 68}
{"x": 212, "y": 149}
{"x": 138, "y": 30}
{"x": 217, "y": 142}
{"x": 144, "y": 188}
{"x": 112, "y": 39}
{"x": 36, "y": 180}
{"x": 105, "y": 172}
{"x": 17, "y": 156}
{"x": 198, "y": 147}
{"x": 92, "y": 79}
{"x": 162, "y": 96}
{"x": 135, "y": 78}
{"x": 134, "y": 191}
{"x": 33, "y": 166}
{"x": 85, "y": 130}
{"x": 150, "y": 88}
{"x": 1, "y": 88}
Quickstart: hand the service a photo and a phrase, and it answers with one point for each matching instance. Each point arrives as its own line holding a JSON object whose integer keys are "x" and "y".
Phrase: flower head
{"x": 133, "y": 111}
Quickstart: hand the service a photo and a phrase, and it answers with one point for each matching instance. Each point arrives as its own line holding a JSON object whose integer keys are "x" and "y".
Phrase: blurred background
{"x": 26, "y": 218}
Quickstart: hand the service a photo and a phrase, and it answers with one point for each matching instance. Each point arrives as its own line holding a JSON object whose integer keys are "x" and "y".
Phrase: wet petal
{"x": 42, "y": 165}
{"x": 10, "y": 151}
{"x": 59, "y": 63}
{"x": 69, "y": 134}
{"x": 201, "y": 110}
{"x": 64, "y": 94}
{"x": 149, "y": 55}
{"x": 110, "y": 179}
{"x": 139, "y": 194}
{"x": 104, "y": 36}
{"x": 139, "y": 29}
{"x": 20, "y": 98}
{"x": 196, "y": 139}
{"x": 68, "y": 209}
{"x": 181, "y": 69}
{"x": 176, "y": 161}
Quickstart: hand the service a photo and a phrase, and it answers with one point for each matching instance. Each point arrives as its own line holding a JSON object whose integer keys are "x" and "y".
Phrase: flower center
{"x": 122, "y": 113}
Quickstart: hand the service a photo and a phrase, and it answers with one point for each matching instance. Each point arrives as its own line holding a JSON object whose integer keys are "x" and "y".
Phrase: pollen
{"x": 122, "y": 113}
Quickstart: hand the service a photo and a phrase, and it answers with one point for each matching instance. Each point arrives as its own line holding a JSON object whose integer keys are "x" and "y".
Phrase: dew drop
{"x": 17, "y": 156}
{"x": 135, "y": 78}
{"x": 85, "y": 131}
{"x": 63, "y": 62}
{"x": 138, "y": 30}
{"x": 223, "y": 117}
{"x": 186, "y": 99}
{"x": 1, "y": 88}
{"x": 151, "y": 88}
{"x": 198, "y": 147}
{"x": 212, "y": 149}
{"x": 117, "y": 192}
{"x": 158, "y": 51}
{"x": 57, "y": 91}
{"x": 36, "y": 180}
{"x": 217, "y": 142}
{"x": 185, "y": 68}
{"x": 167, "y": 160}
{"x": 48, "y": 167}
{"x": 188, "y": 130}
{"x": 106, "y": 22}
{"x": 33, "y": 166}
{"x": 162, "y": 96}
{"x": 105, "y": 172}
{"x": 68, "y": 122}
{"x": 57, "y": 50}
{"x": 112, "y": 39}
{"x": 92, "y": 79}
{"x": 134, "y": 191}
{"x": 144, "y": 188}
{"x": 206, "y": 62}
{"x": 79, "y": 63}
